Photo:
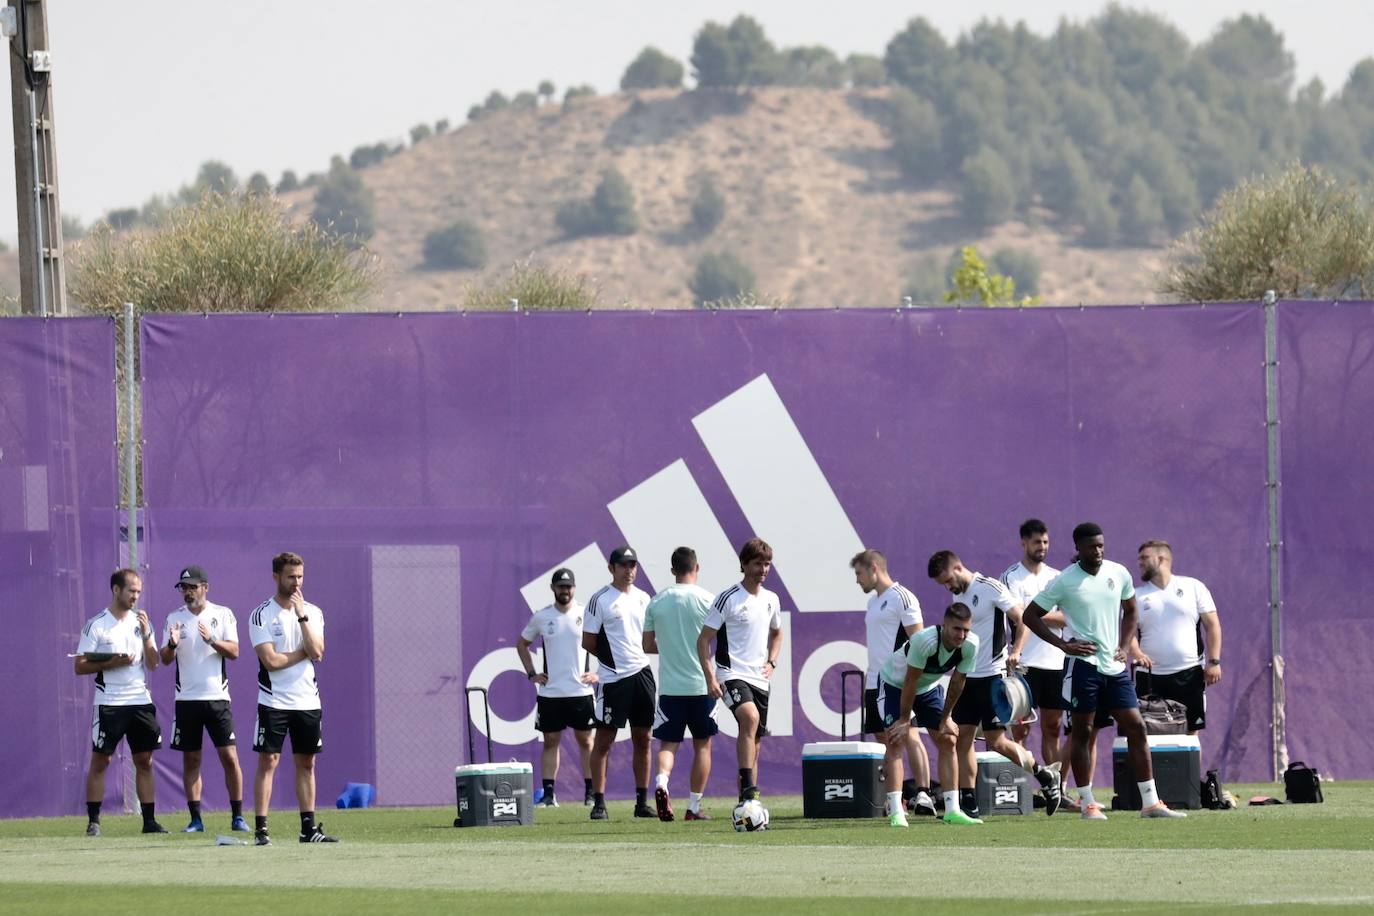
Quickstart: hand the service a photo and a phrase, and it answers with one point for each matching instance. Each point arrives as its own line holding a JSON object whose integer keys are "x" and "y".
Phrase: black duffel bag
{"x": 1162, "y": 717}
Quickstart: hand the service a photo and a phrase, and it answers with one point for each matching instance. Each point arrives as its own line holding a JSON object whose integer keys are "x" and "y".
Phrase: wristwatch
{"x": 1213, "y": 662}
{"x": 531, "y": 675}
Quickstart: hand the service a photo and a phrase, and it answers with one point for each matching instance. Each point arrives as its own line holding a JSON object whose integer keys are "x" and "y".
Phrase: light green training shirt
{"x": 927, "y": 654}
{"x": 674, "y": 617}
{"x": 1092, "y": 606}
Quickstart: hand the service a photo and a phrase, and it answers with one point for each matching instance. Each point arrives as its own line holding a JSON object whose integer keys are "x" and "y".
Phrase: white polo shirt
{"x": 293, "y": 687}
{"x": 743, "y": 622}
{"x": 128, "y": 684}
{"x": 1024, "y": 585}
{"x": 989, "y": 600}
{"x": 201, "y": 673}
{"x": 564, "y": 658}
{"x": 1170, "y": 622}
{"x": 885, "y": 623}
{"x": 617, "y": 619}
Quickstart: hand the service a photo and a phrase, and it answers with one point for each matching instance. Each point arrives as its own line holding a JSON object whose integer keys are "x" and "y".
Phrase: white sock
{"x": 894, "y": 802}
{"x": 951, "y": 800}
{"x": 661, "y": 781}
{"x": 694, "y": 804}
{"x": 1148, "y": 794}
{"x": 1085, "y": 795}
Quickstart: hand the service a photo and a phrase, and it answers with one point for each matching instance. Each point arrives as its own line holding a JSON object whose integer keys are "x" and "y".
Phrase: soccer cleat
{"x": 154, "y": 827}
{"x": 960, "y": 819}
{"x": 317, "y": 835}
{"x": 1159, "y": 809}
{"x": 923, "y": 805}
{"x": 92, "y": 829}
{"x": 1093, "y": 812}
{"x": 260, "y": 837}
{"x": 696, "y": 815}
{"x": 239, "y": 825}
{"x": 749, "y": 792}
{"x": 587, "y": 798}
{"x": 897, "y": 819}
{"x": 548, "y": 801}
{"x": 196, "y": 826}
{"x": 1049, "y": 788}
{"x": 663, "y": 805}
{"x": 599, "y": 813}
{"x": 645, "y": 811}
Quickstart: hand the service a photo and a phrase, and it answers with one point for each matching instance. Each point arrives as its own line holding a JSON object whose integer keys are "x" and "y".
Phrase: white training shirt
{"x": 126, "y": 685}
{"x": 743, "y": 622}
{"x": 885, "y": 623}
{"x": 201, "y": 673}
{"x": 293, "y": 687}
{"x": 989, "y": 600}
{"x": 617, "y": 619}
{"x": 1170, "y": 622}
{"x": 1024, "y": 585}
{"x": 564, "y": 658}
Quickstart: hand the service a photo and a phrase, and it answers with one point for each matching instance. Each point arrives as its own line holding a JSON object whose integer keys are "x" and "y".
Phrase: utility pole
{"x": 42, "y": 272}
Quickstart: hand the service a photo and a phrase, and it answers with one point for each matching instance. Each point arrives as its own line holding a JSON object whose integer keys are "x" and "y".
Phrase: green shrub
{"x": 720, "y": 275}
{"x": 536, "y": 286}
{"x": 456, "y": 247}
{"x": 708, "y": 206}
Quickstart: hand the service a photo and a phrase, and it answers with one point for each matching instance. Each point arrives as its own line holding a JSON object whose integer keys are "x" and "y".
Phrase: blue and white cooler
{"x": 842, "y": 779}
{"x": 495, "y": 794}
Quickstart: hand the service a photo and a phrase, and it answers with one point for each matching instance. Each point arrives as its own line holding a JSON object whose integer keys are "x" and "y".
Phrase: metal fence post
{"x": 131, "y": 440}
{"x": 1272, "y": 484}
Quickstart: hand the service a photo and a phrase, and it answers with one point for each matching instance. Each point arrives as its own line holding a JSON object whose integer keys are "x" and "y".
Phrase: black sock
{"x": 587, "y": 786}
{"x": 746, "y": 778}
{"x": 307, "y": 821}
{"x": 641, "y": 796}
{"x": 599, "y": 799}
{"x": 93, "y": 812}
{"x": 147, "y": 812}
{"x": 236, "y": 807}
{"x": 909, "y": 789}
{"x": 260, "y": 822}
{"x": 194, "y": 808}
{"x": 548, "y": 788}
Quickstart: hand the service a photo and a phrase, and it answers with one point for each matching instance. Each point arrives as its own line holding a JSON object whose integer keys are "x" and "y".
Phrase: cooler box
{"x": 1177, "y": 762}
{"x": 842, "y": 779}
{"x": 1003, "y": 787}
{"x": 495, "y": 795}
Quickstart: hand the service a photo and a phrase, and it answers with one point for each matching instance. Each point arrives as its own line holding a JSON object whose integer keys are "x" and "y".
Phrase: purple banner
{"x": 58, "y": 529}
{"x": 433, "y": 468}
{"x": 1326, "y": 396}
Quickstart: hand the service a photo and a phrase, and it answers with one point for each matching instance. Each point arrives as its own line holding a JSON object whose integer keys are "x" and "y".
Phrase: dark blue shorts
{"x": 1089, "y": 690}
{"x": 926, "y": 710}
{"x": 675, "y": 715}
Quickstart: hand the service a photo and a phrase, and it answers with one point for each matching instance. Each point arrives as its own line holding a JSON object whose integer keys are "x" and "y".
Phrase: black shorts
{"x": 737, "y": 693}
{"x": 1047, "y": 688}
{"x": 137, "y": 724}
{"x": 677, "y": 714}
{"x": 553, "y": 714}
{"x": 873, "y": 716}
{"x": 195, "y": 717}
{"x": 629, "y": 700}
{"x": 269, "y": 732}
{"x": 1186, "y": 686}
{"x": 975, "y": 705}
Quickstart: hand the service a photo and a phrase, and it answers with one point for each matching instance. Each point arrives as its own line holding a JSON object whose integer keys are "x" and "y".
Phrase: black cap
{"x": 623, "y": 554}
{"x": 563, "y": 576}
{"x": 192, "y": 575}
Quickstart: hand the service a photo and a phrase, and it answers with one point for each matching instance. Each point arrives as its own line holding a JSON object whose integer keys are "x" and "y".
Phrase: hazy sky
{"x": 146, "y": 90}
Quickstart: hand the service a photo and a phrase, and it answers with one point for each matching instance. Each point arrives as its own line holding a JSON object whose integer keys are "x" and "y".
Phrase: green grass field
{"x": 1271, "y": 859}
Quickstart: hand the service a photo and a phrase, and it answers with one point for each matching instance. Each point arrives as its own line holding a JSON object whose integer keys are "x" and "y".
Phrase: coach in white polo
{"x": 564, "y": 686}
{"x": 199, "y": 639}
{"x": 613, "y": 631}
{"x": 1178, "y": 621}
{"x": 287, "y": 633}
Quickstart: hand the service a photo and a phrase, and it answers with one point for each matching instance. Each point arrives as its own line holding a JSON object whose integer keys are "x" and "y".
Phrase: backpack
{"x": 1213, "y": 795}
{"x": 1301, "y": 784}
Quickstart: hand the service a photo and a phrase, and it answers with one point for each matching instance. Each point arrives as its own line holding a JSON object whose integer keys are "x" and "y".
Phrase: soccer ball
{"x": 750, "y": 815}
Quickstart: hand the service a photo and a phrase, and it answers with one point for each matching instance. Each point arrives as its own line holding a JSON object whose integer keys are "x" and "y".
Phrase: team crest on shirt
{"x": 1179, "y": 593}
{"x": 577, "y": 622}
{"x": 1111, "y": 583}
{"x": 975, "y": 600}
{"x": 550, "y": 628}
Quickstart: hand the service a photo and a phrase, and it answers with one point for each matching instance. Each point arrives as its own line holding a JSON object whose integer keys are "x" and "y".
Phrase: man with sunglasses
{"x": 200, "y": 637}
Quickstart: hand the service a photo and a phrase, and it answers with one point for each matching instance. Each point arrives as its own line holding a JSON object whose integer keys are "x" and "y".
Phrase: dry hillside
{"x": 815, "y": 203}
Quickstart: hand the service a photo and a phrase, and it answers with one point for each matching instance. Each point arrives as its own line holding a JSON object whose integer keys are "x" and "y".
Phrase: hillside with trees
{"x": 1069, "y": 159}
